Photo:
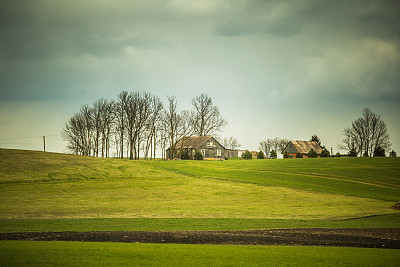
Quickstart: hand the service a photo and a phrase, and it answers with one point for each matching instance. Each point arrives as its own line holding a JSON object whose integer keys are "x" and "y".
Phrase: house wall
{"x": 211, "y": 148}
{"x": 231, "y": 153}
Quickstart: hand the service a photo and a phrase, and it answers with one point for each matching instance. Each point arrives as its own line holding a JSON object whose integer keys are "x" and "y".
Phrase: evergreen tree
{"x": 353, "y": 153}
{"x": 198, "y": 155}
{"x": 247, "y": 155}
{"x": 260, "y": 155}
{"x": 286, "y": 155}
{"x": 325, "y": 153}
{"x": 379, "y": 152}
{"x": 273, "y": 154}
{"x": 312, "y": 153}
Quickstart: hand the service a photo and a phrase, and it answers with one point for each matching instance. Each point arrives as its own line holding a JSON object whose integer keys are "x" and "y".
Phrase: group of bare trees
{"x": 273, "y": 144}
{"x": 366, "y": 134}
{"x": 138, "y": 122}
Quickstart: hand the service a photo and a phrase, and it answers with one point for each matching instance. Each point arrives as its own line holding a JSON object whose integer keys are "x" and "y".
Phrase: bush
{"x": 247, "y": 155}
{"x": 312, "y": 153}
{"x": 353, "y": 153}
{"x": 273, "y": 154}
{"x": 379, "y": 152}
{"x": 198, "y": 155}
{"x": 285, "y": 155}
{"x": 299, "y": 155}
{"x": 325, "y": 153}
{"x": 338, "y": 155}
{"x": 260, "y": 155}
{"x": 393, "y": 154}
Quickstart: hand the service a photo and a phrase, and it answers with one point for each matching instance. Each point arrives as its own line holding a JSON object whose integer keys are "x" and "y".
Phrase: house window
{"x": 219, "y": 153}
{"x": 203, "y": 151}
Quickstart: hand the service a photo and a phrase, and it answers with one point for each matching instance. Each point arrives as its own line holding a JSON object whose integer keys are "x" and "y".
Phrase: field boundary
{"x": 332, "y": 237}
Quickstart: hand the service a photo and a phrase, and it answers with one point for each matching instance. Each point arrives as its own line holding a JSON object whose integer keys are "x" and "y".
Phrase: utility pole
{"x": 44, "y": 143}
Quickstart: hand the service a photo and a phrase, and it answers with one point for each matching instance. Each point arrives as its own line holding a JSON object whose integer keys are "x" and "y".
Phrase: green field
{"x": 57, "y": 192}
{"x": 52, "y": 253}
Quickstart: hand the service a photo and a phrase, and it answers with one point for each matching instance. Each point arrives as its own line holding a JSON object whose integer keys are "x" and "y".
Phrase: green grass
{"x": 317, "y": 192}
{"x": 28, "y": 253}
{"x": 188, "y": 224}
{"x": 56, "y": 192}
{"x": 377, "y": 178}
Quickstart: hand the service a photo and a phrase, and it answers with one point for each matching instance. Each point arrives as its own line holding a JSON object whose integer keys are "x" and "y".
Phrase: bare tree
{"x": 230, "y": 143}
{"x": 276, "y": 144}
{"x": 176, "y": 125}
{"x": 120, "y": 112}
{"x": 79, "y": 132}
{"x": 108, "y": 118}
{"x": 137, "y": 111}
{"x": 206, "y": 118}
{"x": 152, "y": 126}
{"x": 366, "y": 134}
{"x": 266, "y": 146}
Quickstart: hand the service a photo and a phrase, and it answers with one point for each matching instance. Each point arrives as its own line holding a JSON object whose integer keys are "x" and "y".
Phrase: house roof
{"x": 303, "y": 147}
{"x": 192, "y": 141}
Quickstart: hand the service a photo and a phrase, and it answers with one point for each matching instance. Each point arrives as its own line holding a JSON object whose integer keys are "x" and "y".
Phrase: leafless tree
{"x": 137, "y": 111}
{"x": 120, "y": 113}
{"x": 277, "y": 144}
{"x": 108, "y": 119}
{"x": 152, "y": 126}
{"x": 206, "y": 118}
{"x": 266, "y": 146}
{"x": 230, "y": 143}
{"x": 79, "y": 132}
{"x": 176, "y": 125}
{"x": 366, "y": 134}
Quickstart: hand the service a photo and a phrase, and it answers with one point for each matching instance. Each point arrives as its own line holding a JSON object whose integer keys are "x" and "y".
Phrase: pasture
{"x": 57, "y": 192}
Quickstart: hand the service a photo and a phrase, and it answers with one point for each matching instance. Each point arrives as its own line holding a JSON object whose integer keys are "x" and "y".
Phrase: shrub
{"x": 299, "y": 155}
{"x": 353, "y": 153}
{"x": 198, "y": 155}
{"x": 379, "y": 152}
{"x": 260, "y": 155}
{"x": 393, "y": 154}
{"x": 325, "y": 153}
{"x": 247, "y": 155}
{"x": 338, "y": 155}
{"x": 285, "y": 155}
{"x": 312, "y": 153}
{"x": 273, "y": 154}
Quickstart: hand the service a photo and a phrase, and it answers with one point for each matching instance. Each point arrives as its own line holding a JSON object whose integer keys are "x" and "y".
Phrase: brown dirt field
{"x": 339, "y": 237}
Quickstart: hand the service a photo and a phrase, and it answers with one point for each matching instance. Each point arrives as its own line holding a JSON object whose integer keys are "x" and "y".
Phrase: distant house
{"x": 186, "y": 147}
{"x": 294, "y": 147}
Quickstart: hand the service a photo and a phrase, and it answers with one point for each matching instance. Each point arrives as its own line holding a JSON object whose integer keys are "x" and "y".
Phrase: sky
{"x": 287, "y": 69}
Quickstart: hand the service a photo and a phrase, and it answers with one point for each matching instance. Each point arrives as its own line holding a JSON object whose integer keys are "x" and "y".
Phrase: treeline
{"x": 138, "y": 122}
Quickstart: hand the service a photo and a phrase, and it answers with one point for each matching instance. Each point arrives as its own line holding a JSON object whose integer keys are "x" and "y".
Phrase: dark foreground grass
{"x": 33, "y": 253}
{"x": 188, "y": 224}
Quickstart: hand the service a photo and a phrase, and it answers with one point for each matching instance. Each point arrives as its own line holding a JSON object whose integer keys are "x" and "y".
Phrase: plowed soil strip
{"x": 343, "y": 237}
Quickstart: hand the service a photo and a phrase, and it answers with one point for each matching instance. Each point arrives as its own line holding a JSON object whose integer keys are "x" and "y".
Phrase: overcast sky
{"x": 286, "y": 69}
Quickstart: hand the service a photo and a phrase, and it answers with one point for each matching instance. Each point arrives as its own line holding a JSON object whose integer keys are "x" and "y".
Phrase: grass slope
{"x": 117, "y": 254}
{"x": 63, "y": 190}
{"x": 377, "y": 178}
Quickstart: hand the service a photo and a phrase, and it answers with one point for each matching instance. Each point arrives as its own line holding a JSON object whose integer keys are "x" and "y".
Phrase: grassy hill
{"x": 57, "y": 191}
